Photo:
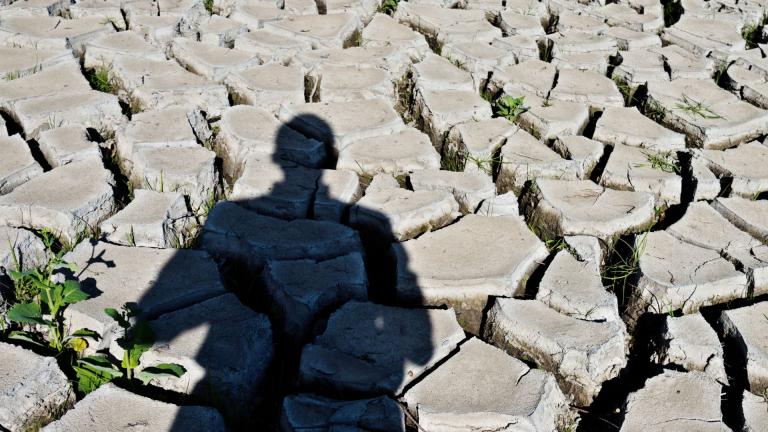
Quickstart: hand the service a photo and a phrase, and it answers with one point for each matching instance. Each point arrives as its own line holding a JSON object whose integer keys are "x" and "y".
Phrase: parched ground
{"x": 354, "y": 215}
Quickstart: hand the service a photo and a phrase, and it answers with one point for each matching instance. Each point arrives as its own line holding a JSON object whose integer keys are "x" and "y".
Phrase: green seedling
{"x": 695, "y": 108}
{"x": 388, "y": 7}
{"x": 661, "y": 161}
{"x": 654, "y": 110}
{"x": 101, "y": 81}
{"x": 618, "y": 273}
{"x": 510, "y": 107}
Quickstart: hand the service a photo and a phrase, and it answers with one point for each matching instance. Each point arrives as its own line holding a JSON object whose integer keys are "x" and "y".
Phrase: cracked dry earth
{"x": 437, "y": 215}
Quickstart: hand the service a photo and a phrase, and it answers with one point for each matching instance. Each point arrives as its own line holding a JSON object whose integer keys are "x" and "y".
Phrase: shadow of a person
{"x": 305, "y": 275}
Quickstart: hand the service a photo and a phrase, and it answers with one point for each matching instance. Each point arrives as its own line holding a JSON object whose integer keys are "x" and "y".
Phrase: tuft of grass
{"x": 753, "y": 33}
{"x": 661, "y": 161}
{"x": 101, "y": 81}
{"x": 208, "y": 6}
{"x": 510, "y": 107}
{"x": 617, "y": 273}
{"x": 696, "y": 108}
{"x": 625, "y": 89}
{"x": 12, "y": 75}
{"x": 654, "y": 110}
{"x": 484, "y": 164}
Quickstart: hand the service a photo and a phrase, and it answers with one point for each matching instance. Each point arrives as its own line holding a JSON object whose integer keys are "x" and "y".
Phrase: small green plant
{"x": 47, "y": 307}
{"x": 625, "y": 89}
{"x": 208, "y": 6}
{"x": 618, "y": 273}
{"x": 12, "y": 75}
{"x": 388, "y": 6}
{"x": 484, "y": 163}
{"x": 100, "y": 80}
{"x": 137, "y": 338}
{"x": 654, "y": 110}
{"x": 752, "y": 33}
{"x": 661, "y": 161}
{"x": 696, "y": 108}
{"x": 510, "y": 107}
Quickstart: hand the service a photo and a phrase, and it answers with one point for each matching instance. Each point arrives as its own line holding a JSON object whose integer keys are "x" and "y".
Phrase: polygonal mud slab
{"x": 17, "y": 165}
{"x": 482, "y": 388}
{"x": 246, "y": 130}
{"x": 640, "y": 66}
{"x": 112, "y": 408}
{"x": 703, "y": 226}
{"x": 628, "y": 40}
{"x": 627, "y": 126}
{"x": 469, "y": 188}
{"x": 18, "y": 62}
{"x": 153, "y": 85}
{"x": 473, "y": 145}
{"x": 321, "y": 31}
{"x": 478, "y": 58}
{"x": 338, "y": 124}
{"x": 748, "y": 215}
{"x": 90, "y": 109}
{"x": 582, "y": 354}
{"x": 49, "y": 32}
{"x": 152, "y": 219}
{"x": 705, "y": 37}
{"x": 61, "y": 146}
{"x": 232, "y": 231}
{"x": 500, "y": 205}
{"x": 305, "y": 411}
{"x": 224, "y": 346}
{"x": 188, "y": 170}
{"x": 551, "y": 119}
{"x": 52, "y": 80}
{"x": 212, "y": 62}
{"x": 675, "y": 401}
{"x": 684, "y": 64}
{"x": 678, "y": 275}
{"x": 220, "y": 31}
{"x": 302, "y": 290}
{"x": 444, "y": 25}
{"x": 585, "y": 152}
{"x": 691, "y": 343}
{"x": 447, "y": 267}
{"x": 267, "y": 86}
{"x": 747, "y": 327}
{"x": 32, "y": 389}
{"x": 384, "y": 31}
{"x": 590, "y": 88}
{"x": 710, "y": 116}
{"x": 532, "y": 76}
{"x": 742, "y": 164}
{"x": 270, "y": 47}
{"x": 398, "y": 154}
{"x": 437, "y": 73}
{"x": 755, "y": 411}
{"x": 349, "y": 83}
{"x": 101, "y": 51}
{"x": 575, "y": 288}
{"x": 69, "y": 200}
{"x": 400, "y": 214}
{"x": 634, "y": 169}
{"x": 157, "y": 280}
{"x": 282, "y": 190}
{"x": 440, "y": 110}
{"x": 20, "y": 250}
{"x": 524, "y": 158}
{"x": 369, "y": 348}
{"x": 584, "y": 208}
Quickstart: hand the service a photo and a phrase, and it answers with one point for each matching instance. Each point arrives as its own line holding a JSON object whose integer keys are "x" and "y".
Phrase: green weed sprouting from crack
{"x": 696, "y": 108}
{"x": 661, "y": 161}
{"x": 617, "y": 273}
{"x": 208, "y": 6}
{"x": 484, "y": 163}
{"x": 388, "y": 7}
{"x": 625, "y": 89}
{"x": 721, "y": 74}
{"x": 101, "y": 81}
{"x": 752, "y": 33}
{"x": 12, "y": 75}
{"x": 654, "y": 110}
{"x": 510, "y": 107}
